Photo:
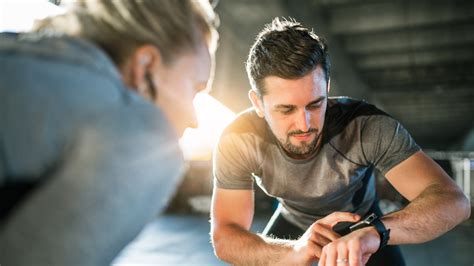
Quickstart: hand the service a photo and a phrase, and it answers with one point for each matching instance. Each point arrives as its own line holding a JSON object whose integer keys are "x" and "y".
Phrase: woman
{"x": 92, "y": 103}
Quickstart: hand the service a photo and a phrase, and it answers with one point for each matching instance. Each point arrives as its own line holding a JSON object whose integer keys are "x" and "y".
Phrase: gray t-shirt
{"x": 358, "y": 139}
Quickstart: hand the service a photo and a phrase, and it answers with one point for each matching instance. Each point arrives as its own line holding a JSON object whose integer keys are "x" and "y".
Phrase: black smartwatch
{"x": 370, "y": 220}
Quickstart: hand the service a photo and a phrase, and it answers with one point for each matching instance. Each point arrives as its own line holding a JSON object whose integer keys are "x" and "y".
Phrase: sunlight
{"x": 19, "y": 15}
{"x": 213, "y": 117}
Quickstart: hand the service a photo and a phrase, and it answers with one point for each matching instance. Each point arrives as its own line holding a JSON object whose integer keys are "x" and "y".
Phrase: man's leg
{"x": 279, "y": 227}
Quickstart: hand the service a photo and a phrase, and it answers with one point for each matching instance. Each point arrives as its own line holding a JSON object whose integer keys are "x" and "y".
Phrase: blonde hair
{"x": 120, "y": 26}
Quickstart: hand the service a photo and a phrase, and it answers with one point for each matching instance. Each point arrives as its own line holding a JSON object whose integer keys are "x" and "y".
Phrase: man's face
{"x": 295, "y": 110}
{"x": 178, "y": 84}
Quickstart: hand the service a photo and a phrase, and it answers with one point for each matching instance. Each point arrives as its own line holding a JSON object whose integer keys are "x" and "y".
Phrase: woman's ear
{"x": 257, "y": 103}
{"x": 139, "y": 68}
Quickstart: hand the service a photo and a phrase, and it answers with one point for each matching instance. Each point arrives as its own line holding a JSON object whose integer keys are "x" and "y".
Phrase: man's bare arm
{"x": 231, "y": 218}
{"x": 437, "y": 203}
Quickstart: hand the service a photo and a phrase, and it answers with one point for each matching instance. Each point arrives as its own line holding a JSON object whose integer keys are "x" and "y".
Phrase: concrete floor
{"x": 184, "y": 240}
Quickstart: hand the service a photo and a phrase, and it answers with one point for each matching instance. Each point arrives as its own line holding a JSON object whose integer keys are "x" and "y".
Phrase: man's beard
{"x": 304, "y": 148}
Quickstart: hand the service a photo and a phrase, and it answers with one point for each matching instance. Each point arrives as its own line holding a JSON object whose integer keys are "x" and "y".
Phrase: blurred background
{"x": 413, "y": 59}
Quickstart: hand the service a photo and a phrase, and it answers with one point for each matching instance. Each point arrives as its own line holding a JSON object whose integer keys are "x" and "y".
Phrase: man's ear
{"x": 257, "y": 103}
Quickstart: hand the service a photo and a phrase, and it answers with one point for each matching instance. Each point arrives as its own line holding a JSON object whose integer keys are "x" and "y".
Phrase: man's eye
{"x": 314, "y": 106}
{"x": 286, "y": 111}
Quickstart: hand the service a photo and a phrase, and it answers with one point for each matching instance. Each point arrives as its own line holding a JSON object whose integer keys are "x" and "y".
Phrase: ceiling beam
{"x": 415, "y": 58}
{"x": 444, "y": 36}
{"x": 435, "y": 88}
{"x": 420, "y": 77}
{"x": 333, "y": 3}
{"x": 392, "y": 15}
{"x": 450, "y": 107}
{"x": 449, "y": 98}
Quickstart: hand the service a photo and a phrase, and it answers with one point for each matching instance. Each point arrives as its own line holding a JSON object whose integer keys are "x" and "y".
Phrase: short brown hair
{"x": 286, "y": 49}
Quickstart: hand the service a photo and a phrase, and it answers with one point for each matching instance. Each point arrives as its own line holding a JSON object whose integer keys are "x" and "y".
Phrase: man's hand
{"x": 353, "y": 249}
{"x": 309, "y": 247}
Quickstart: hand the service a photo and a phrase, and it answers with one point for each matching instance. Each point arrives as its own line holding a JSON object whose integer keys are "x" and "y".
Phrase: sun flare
{"x": 213, "y": 116}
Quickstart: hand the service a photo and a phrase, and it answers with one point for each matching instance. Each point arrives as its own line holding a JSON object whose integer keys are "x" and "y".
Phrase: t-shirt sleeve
{"x": 386, "y": 143}
{"x": 233, "y": 163}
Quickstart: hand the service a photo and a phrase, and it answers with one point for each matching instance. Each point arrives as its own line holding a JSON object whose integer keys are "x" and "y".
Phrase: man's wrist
{"x": 372, "y": 237}
{"x": 373, "y": 221}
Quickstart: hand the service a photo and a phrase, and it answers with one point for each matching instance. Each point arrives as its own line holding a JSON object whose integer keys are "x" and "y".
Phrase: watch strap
{"x": 384, "y": 233}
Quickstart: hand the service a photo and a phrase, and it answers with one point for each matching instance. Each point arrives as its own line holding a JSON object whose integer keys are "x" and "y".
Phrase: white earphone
{"x": 145, "y": 60}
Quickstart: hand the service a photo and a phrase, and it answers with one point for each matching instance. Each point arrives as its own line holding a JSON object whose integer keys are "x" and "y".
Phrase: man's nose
{"x": 303, "y": 120}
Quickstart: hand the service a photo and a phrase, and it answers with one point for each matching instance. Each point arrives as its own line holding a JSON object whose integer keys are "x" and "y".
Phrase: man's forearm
{"x": 238, "y": 246}
{"x": 434, "y": 212}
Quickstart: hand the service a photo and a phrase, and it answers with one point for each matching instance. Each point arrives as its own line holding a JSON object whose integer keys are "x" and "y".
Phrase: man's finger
{"x": 355, "y": 256}
{"x": 322, "y": 261}
{"x": 315, "y": 250}
{"x": 342, "y": 257}
{"x": 324, "y": 231}
{"x": 331, "y": 254}
{"x": 336, "y": 217}
{"x": 320, "y": 239}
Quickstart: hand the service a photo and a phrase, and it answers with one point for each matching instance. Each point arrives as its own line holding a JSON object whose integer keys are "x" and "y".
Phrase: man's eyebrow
{"x": 320, "y": 99}
{"x": 289, "y": 106}
{"x": 284, "y": 106}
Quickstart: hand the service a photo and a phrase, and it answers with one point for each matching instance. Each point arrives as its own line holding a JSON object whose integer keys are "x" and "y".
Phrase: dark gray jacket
{"x": 84, "y": 162}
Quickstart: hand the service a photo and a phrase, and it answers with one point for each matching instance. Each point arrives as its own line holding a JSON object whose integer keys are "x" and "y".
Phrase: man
{"x": 92, "y": 103}
{"x": 317, "y": 156}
